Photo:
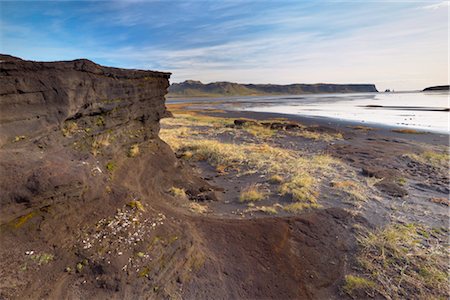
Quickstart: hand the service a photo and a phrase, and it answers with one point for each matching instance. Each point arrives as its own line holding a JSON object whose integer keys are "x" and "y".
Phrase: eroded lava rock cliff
{"x": 86, "y": 213}
{"x": 78, "y": 142}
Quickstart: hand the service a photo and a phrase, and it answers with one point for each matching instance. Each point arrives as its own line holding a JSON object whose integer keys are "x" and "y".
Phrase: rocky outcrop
{"x": 79, "y": 146}
{"x": 191, "y": 88}
{"x": 38, "y": 97}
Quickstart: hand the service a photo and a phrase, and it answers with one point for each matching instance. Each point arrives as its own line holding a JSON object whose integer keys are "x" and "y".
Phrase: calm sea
{"x": 418, "y": 110}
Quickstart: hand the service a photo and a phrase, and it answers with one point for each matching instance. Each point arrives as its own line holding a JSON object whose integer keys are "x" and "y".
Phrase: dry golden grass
{"x": 134, "y": 150}
{"x": 327, "y": 137}
{"x": 352, "y": 189}
{"x": 276, "y": 179}
{"x": 136, "y": 204}
{"x": 408, "y": 131}
{"x": 405, "y": 260}
{"x": 99, "y": 142}
{"x": 301, "y": 187}
{"x": 355, "y": 284}
{"x": 69, "y": 128}
{"x": 252, "y": 193}
{"x": 434, "y": 158}
{"x": 259, "y": 130}
{"x": 198, "y": 208}
{"x": 177, "y": 192}
{"x": 302, "y": 172}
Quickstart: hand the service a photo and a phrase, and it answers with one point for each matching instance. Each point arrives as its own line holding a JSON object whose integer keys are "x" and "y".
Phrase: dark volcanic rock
{"x": 38, "y": 97}
{"x": 78, "y": 142}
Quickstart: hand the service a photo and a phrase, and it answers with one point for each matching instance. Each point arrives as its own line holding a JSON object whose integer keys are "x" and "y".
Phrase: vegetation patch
{"x": 408, "y": 131}
{"x": 252, "y": 193}
{"x": 133, "y": 151}
{"x": 259, "y": 130}
{"x": 433, "y": 158}
{"x": 136, "y": 204}
{"x": 99, "y": 142}
{"x": 301, "y": 187}
{"x": 42, "y": 258}
{"x": 322, "y": 136}
{"x": 19, "y": 138}
{"x": 177, "y": 192}
{"x": 100, "y": 121}
{"x": 198, "y": 208}
{"x": 23, "y": 219}
{"x": 356, "y": 284}
{"x": 110, "y": 166}
{"x": 352, "y": 189}
{"x": 69, "y": 128}
{"x": 276, "y": 179}
{"x": 405, "y": 260}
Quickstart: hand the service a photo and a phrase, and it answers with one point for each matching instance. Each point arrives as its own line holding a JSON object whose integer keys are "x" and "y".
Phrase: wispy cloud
{"x": 439, "y": 5}
{"x": 395, "y": 45}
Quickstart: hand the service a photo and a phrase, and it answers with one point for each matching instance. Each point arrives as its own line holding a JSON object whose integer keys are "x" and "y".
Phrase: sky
{"x": 400, "y": 45}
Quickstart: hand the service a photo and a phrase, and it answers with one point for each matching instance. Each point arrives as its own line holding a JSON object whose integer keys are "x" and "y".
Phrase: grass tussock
{"x": 355, "y": 284}
{"x": 110, "y": 166}
{"x": 69, "y": 128}
{"x": 99, "y": 142}
{"x": 252, "y": 193}
{"x": 198, "y": 208}
{"x": 301, "y": 187}
{"x": 178, "y": 192}
{"x": 353, "y": 190}
{"x": 276, "y": 179}
{"x": 259, "y": 130}
{"x": 136, "y": 204}
{"x": 405, "y": 260}
{"x": 133, "y": 151}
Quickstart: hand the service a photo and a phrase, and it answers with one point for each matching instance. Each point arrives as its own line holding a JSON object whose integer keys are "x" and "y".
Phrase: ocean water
{"x": 426, "y": 111}
{"x": 416, "y": 110}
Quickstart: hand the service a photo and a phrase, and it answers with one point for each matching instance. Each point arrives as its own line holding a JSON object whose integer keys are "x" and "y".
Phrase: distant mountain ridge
{"x": 437, "y": 88}
{"x": 192, "y": 88}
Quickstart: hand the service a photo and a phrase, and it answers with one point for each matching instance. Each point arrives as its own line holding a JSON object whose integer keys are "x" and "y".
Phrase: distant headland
{"x": 191, "y": 88}
{"x": 437, "y": 88}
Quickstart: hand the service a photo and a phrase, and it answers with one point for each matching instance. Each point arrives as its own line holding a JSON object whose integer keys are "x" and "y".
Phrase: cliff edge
{"x": 79, "y": 150}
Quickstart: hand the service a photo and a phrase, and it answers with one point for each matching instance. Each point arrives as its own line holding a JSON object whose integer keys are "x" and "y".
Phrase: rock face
{"x": 78, "y": 144}
{"x": 191, "y": 88}
{"x": 39, "y": 97}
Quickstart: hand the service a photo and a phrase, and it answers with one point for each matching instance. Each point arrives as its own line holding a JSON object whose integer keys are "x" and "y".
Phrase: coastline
{"x": 416, "y": 113}
{"x": 379, "y": 130}
{"x": 215, "y": 109}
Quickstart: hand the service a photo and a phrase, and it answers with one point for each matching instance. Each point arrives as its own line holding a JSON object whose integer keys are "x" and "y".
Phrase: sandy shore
{"x": 379, "y": 130}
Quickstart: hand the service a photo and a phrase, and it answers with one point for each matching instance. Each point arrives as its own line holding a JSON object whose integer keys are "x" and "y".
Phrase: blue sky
{"x": 401, "y": 45}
